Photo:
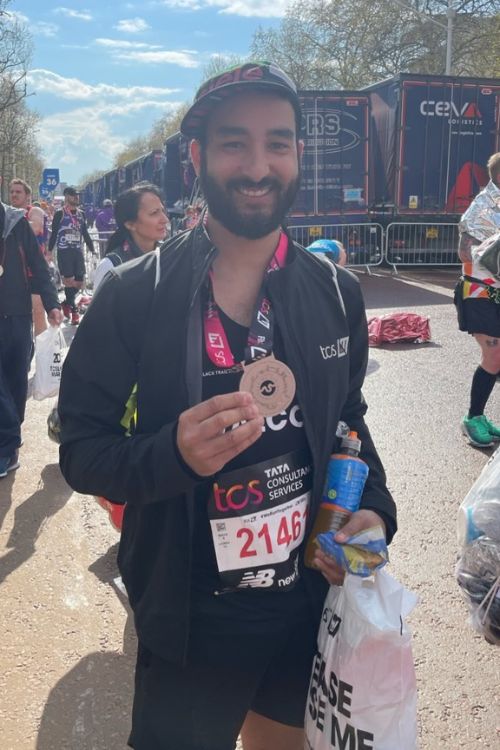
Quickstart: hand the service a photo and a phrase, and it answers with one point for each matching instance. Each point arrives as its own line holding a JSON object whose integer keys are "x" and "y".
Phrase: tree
{"x": 134, "y": 148}
{"x": 90, "y": 177}
{"x": 19, "y": 152}
{"x": 345, "y": 44}
{"x": 15, "y": 55}
{"x": 166, "y": 126}
{"x": 219, "y": 63}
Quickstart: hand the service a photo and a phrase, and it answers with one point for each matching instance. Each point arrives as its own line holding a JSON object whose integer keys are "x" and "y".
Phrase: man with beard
{"x": 21, "y": 197}
{"x": 69, "y": 232}
{"x": 238, "y": 396}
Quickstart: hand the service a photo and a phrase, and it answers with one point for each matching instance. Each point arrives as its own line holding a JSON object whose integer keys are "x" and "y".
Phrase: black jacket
{"x": 25, "y": 270}
{"x": 131, "y": 335}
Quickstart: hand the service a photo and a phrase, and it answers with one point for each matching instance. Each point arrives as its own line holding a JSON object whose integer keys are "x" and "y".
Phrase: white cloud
{"x": 132, "y": 25}
{"x": 15, "y": 15}
{"x": 38, "y": 28}
{"x": 47, "y": 82}
{"x": 124, "y": 44}
{"x": 247, "y": 8}
{"x": 253, "y": 8}
{"x": 89, "y": 135}
{"x": 182, "y": 58}
{"x": 84, "y": 15}
{"x": 65, "y": 142}
{"x": 44, "y": 28}
{"x": 123, "y": 50}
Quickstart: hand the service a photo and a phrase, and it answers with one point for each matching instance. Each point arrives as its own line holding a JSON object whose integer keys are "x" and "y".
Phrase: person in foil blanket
{"x": 239, "y": 394}
{"x": 477, "y": 298}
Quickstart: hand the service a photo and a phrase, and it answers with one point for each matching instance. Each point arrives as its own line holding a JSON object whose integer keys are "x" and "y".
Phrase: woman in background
{"x": 141, "y": 223}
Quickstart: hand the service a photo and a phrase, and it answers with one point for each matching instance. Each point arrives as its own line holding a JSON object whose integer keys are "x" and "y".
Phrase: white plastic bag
{"x": 478, "y": 567}
{"x": 362, "y": 694}
{"x": 50, "y": 352}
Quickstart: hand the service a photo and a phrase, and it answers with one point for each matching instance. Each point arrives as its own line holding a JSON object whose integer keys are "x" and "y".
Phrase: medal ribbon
{"x": 73, "y": 217}
{"x": 260, "y": 335}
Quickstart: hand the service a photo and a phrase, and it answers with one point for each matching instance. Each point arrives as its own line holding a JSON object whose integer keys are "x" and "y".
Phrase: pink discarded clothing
{"x": 398, "y": 327}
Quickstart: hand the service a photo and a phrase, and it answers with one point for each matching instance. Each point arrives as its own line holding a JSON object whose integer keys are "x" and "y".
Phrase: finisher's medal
{"x": 271, "y": 383}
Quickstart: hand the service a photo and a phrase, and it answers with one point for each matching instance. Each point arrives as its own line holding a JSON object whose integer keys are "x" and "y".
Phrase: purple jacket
{"x": 105, "y": 221}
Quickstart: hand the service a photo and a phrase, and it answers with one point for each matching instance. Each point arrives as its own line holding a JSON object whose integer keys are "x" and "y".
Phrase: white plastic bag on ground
{"x": 362, "y": 694}
{"x": 50, "y": 351}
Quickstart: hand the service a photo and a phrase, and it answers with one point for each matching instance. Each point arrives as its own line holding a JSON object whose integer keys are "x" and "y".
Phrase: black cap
{"x": 70, "y": 191}
{"x": 250, "y": 76}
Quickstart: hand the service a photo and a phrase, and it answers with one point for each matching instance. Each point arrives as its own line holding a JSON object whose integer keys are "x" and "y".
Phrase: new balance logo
{"x": 262, "y": 579}
{"x": 339, "y": 349}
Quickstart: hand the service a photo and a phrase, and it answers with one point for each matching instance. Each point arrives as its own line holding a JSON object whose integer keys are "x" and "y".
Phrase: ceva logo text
{"x": 449, "y": 109}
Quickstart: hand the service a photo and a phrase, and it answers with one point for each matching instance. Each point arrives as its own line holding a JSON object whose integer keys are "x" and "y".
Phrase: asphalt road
{"x": 67, "y": 645}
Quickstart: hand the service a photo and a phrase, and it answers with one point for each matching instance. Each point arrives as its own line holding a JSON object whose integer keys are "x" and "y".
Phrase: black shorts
{"x": 71, "y": 263}
{"x": 203, "y": 705}
{"x": 478, "y": 316}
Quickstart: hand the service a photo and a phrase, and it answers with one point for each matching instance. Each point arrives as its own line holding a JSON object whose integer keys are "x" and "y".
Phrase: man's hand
{"x": 55, "y": 317}
{"x": 202, "y": 439}
{"x": 360, "y": 520}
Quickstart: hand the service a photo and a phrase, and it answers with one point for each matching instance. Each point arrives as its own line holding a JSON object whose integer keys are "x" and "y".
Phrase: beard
{"x": 252, "y": 224}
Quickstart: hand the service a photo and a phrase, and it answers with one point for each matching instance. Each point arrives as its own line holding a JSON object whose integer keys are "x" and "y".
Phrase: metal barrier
{"x": 100, "y": 240}
{"x": 363, "y": 243}
{"x": 430, "y": 244}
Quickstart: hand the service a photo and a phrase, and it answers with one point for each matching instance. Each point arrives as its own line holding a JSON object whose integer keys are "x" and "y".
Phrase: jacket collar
{"x": 9, "y": 217}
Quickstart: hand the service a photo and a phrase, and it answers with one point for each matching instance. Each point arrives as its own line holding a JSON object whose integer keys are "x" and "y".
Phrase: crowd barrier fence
{"x": 421, "y": 243}
{"x": 367, "y": 245}
{"x": 364, "y": 243}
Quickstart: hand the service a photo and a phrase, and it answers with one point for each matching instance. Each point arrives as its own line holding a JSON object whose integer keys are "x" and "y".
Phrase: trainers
{"x": 477, "y": 431}
{"x": 8, "y": 463}
{"x": 493, "y": 429}
{"x": 75, "y": 318}
{"x": 66, "y": 309}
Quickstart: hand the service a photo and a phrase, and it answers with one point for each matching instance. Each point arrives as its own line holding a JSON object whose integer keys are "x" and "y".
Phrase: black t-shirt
{"x": 252, "y": 609}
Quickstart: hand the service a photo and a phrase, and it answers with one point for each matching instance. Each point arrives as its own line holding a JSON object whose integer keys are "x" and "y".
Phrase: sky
{"x": 103, "y": 71}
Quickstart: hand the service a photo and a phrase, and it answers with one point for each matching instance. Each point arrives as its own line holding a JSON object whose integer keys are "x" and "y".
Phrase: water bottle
{"x": 345, "y": 480}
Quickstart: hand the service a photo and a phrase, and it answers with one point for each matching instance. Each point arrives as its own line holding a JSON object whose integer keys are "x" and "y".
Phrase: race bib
{"x": 258, "y": 516}
{"x": 69, "y": 239}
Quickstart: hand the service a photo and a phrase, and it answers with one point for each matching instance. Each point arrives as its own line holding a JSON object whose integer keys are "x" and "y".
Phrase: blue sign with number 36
{"x": 50, "y": 178}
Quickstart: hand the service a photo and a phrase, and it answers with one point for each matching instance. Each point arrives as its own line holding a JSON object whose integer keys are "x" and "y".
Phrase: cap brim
{"x": 193, "y": 122}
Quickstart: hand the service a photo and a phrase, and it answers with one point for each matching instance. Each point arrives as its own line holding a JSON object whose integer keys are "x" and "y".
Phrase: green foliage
{"x": 166, "y": 126}
{"x": 220, "y": 63}
{"x": 90, "y": 177}
{"x": 346, "y": 44}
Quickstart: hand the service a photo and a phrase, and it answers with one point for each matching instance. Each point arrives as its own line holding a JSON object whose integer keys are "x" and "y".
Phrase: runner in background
{"x": 105, "y": 224}
{"x": 20, "y": 197}
{"x": 478, "y": 304}
{"x": 69, "y": 231}
{"x": 23, "y": 270}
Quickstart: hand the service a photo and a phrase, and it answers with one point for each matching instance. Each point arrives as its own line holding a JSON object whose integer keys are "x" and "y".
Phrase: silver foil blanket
{"x": 482, "y": 218}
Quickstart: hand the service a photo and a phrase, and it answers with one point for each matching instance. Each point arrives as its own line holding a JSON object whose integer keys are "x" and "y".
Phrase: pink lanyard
{"x": 261, "y": 333}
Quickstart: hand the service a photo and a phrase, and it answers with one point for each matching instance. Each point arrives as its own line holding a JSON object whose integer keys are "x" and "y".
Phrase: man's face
{"x": 19, "y": 198}
{"x": 249, "y": 166}
{"x": 71, "y": 201}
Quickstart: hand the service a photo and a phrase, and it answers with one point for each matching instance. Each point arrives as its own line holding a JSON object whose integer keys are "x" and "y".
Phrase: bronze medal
{"x": 271, "y": 383}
